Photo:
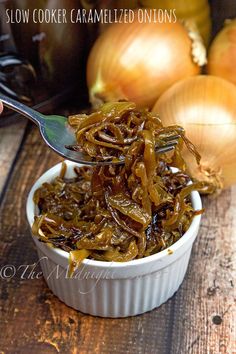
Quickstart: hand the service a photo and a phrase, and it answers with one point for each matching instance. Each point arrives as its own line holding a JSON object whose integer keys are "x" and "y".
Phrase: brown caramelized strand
{"x": 119, "y": 212}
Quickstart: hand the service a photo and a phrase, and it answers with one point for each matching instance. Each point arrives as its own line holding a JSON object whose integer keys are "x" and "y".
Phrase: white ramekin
{"x": 112, "y": 289}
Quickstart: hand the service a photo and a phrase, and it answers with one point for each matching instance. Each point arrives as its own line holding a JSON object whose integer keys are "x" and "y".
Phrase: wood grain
{"x": 10, "y": 140}
{"x": 199, "y": 319}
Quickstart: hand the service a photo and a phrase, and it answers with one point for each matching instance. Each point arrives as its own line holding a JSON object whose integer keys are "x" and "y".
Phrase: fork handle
{"x": 19, "y": 107}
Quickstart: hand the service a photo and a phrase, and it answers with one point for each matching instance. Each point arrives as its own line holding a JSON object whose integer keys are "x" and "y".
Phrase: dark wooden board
{"x": 199, "y": 319}
{"x": 10, "y": 140}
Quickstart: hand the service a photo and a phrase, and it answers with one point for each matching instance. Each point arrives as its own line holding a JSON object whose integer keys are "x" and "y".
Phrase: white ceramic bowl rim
{"x": 54, "y": 171}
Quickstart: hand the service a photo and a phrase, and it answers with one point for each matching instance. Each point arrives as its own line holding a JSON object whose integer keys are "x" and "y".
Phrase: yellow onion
{"x": 194, "y": 10}
{"x": 222, "y": 53}
{"x": 205, "y": 106}
{"x": 139, "y": 61}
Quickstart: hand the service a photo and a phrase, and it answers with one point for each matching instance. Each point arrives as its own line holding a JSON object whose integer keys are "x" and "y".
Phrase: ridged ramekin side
{"x": 115, "y": 297}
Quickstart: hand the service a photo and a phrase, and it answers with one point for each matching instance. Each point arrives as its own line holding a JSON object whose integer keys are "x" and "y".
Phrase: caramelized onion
{"x": 118, "y": 212}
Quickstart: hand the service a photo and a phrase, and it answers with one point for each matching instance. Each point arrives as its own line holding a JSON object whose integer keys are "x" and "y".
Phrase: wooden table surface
{"x": 198, "y": 319}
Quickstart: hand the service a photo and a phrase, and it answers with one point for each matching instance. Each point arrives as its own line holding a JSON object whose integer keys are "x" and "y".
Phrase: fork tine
{"x": 167, "y": 147}
{"x": 172, "y": 137}
{"x": 164, "y": 149}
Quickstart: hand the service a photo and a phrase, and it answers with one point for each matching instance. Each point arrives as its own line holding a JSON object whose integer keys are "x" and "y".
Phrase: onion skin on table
{"x": 205, "y": 106}
{"x": 138, "y": 62}
{"x": 222, "y": 53}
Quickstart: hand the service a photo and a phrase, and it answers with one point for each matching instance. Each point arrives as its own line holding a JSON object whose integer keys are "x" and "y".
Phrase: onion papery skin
{"x": 194, "y": 10}
{"x": 222, "y": 53}
{"x": 138, "y": 62}
{"x": 205, "y": 106}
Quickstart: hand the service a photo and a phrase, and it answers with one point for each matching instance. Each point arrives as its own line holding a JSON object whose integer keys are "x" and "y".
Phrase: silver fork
{"x": 57, "y": 134}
